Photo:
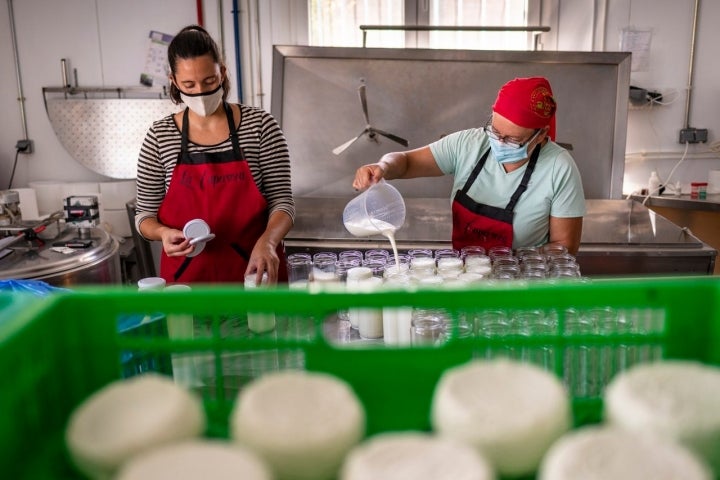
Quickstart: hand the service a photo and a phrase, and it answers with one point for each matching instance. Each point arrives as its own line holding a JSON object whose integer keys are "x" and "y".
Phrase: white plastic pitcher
{"x": 379, "y": 210}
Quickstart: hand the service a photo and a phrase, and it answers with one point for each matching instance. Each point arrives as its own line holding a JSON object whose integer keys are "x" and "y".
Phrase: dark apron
{"x": 477, "y": 224}
{"x": 218, "y": 188}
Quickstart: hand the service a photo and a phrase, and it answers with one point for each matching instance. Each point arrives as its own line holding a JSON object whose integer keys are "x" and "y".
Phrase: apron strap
{"x": 525, "y": 180}
{"x": 183, "y": 266}
{"x": 476, "y": 171}
{"x": 231, "y": 125}
{"x": 233, "y": 134}
{"x": 523, "y": 183}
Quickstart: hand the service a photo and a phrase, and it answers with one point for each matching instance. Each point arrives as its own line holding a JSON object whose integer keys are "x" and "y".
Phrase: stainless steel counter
{"x": 711, "y": 203}
{"x": 620, "y": 237}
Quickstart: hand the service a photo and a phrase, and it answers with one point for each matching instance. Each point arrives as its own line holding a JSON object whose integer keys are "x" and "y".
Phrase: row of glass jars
{"x": 425, "y": 266}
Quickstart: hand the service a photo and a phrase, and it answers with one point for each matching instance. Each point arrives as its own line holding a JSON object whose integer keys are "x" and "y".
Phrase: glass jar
{"x": 422, "y": 266}
{"x": 449, "y": 267}
{"x": 259, "y": 322}
{"x": 377, "y": 254}
{"x": 499, "y": 251}
{"x": 351, "y": 255}
{"x": 471, "y": 250}
{"x": 428, "y": 327}
{"x": 299, "y": 267}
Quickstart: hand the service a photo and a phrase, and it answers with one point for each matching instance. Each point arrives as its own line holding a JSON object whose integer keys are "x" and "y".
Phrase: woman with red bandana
{"x": 513, "y": 186}
{"x": 226, "y": 164}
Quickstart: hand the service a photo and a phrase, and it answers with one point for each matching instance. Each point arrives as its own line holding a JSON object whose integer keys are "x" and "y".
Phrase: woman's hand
{"x": 174, "y": 243}
{"x": 368, "y": 175}
{"x": 264, "y": 258}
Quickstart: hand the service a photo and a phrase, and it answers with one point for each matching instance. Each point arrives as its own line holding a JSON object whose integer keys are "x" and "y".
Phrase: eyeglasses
{"x": 509, "y": 141}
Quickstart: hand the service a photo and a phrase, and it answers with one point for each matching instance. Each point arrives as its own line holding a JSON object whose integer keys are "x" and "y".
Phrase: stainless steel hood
{"x": 423, "y": 94}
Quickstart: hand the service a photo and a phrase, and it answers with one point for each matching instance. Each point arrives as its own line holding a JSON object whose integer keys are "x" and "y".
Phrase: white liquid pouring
{"x": 367, "y": 227}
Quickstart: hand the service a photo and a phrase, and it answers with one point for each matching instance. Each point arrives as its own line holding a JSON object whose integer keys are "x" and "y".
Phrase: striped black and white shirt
{"x": 262, "y": 142}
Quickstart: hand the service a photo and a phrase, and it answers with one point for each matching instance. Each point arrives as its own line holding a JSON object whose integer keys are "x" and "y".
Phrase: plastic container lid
{"x": 197, "y": 229}
{"x": 151, "y": 283}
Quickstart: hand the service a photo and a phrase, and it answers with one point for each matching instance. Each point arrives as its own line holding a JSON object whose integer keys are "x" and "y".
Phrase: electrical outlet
{"x": 693, "y": 135}
{"x": 24, "y": 146}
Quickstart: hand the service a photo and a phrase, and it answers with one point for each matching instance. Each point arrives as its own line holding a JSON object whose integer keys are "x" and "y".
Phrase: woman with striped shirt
{"x": 226, "y": 164}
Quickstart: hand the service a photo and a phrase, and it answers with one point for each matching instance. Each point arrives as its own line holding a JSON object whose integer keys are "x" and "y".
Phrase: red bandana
{"x": 528, "y": 103}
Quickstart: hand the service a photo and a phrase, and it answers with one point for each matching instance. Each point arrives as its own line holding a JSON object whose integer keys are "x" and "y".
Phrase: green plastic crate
{"x": 56, "y": 351}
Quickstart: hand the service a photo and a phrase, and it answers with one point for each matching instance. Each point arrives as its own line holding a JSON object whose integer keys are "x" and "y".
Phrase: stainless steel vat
{"x": 97, "y": 264}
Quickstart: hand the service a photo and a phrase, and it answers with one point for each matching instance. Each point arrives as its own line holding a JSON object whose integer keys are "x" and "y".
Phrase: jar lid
{"x": 151, "y": 283}
{"x": 200, "y": 230}
{"x": 196, "y": 228}
{"x": 699, "y": 184}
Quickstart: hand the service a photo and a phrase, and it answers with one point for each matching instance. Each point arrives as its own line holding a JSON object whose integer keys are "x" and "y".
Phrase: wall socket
{"x": 24, "y": 146}
{"x": 693, "y": 135}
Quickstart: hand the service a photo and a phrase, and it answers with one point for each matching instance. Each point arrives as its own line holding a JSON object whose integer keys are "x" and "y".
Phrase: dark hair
{"x": 191, "y": 42}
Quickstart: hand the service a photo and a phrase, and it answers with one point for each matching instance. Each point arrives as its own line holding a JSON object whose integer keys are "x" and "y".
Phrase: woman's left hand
{"x": 264, "y": 258}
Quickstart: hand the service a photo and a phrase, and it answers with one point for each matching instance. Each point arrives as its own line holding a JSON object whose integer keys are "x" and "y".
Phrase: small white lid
{"x": 203, "y": 238}
{"x": 151, "y": 283}
{"x": 178, "y": 287}
{"x": 196, "y": 228}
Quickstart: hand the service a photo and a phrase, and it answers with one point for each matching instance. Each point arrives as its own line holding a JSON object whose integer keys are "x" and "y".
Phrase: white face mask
{"x": 204, "y": 104}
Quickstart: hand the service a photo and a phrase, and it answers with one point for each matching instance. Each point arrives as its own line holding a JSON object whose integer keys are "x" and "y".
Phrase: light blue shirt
{"x": 555, "y": 187}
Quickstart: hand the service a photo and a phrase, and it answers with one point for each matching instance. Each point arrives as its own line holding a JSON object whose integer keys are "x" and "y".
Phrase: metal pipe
{"x": 199, "y": 8}
{"x": 238, "y": 49}
{"x": 260, "y": 93}
{"x": 64, "y": 72}
{"x": 21, "y": 95}
{"x": 449, "y": 28}
{"x": 222, "y": 29}
{"x": 692, "y": 62}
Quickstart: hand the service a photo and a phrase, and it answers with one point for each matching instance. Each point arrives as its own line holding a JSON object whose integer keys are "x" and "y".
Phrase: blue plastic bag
{"x": 37, "y": 287}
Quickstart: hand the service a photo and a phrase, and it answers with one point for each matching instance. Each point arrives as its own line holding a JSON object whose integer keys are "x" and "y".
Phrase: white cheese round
{"x": 601, "y": 453}
{"x": 127, "y": 417}
{"x": 676, "y": 399}
{"x": 302, "y": 423}
{"x": 193, "y": 460}
{"x": 416, "y": 456}
{"x": 510, "y": 411}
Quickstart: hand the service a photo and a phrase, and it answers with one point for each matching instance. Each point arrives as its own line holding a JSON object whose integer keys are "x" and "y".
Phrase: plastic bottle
{"x": 654, "y": 184}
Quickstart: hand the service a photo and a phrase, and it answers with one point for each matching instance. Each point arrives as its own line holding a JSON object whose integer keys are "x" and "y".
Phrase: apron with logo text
{"x": 219, "y": 188}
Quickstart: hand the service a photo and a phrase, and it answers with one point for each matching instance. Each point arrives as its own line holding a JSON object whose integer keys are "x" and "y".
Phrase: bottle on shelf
{"x": 654, "y": 184}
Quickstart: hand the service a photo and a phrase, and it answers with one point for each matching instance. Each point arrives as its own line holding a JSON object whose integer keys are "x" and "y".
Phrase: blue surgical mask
{"x": 505, "y": 154}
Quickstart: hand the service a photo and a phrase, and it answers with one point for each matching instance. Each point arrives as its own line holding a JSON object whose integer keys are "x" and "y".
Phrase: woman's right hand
{"x": 368, "y": 175}
{"x": 175, "y": 244}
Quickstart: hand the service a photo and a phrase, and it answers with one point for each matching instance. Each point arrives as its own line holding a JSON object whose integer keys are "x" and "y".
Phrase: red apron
{"x": 218, "y": 188}
{"x": 484, "y": 225}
